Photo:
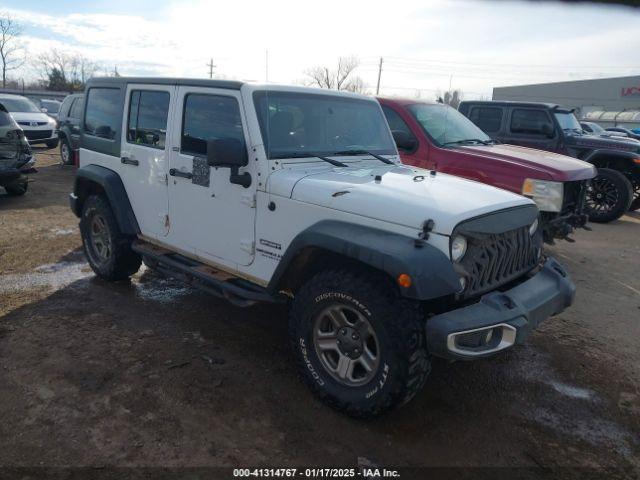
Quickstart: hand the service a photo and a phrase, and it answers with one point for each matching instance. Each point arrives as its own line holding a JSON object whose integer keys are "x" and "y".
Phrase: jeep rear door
{"x": 144, "y": 155}
{"x": 210, "y": 216}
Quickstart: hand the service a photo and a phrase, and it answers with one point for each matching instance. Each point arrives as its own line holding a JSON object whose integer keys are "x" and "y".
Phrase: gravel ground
{"x": 153, "y": 373}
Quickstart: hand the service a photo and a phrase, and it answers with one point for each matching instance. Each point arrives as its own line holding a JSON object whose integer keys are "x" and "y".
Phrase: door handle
{"x": 177, "y": 173}
{"x": 130, "y": 161}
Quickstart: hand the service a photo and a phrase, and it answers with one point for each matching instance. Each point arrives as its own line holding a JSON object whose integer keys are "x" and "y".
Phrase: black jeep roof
{"x": 192, "y": 82}
{"x": 510, "y": 103}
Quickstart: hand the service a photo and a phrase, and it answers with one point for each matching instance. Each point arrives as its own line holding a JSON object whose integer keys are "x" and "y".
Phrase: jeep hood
{"x": 534, "y": 163}
{"x": 404, "y": 195}
{"x": 596, "y": 142}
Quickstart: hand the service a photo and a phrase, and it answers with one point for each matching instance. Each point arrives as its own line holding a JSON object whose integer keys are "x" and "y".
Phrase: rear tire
{"x": 609, "y": 196}
{"x": 17, "y": 189}
{"x": 342, "y": 321}
{"x": 66, "y": 155}
{"x": 106, "y": 248}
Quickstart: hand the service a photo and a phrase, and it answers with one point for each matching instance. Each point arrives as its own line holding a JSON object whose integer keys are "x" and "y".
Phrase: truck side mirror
{"x": 226, "y": 152}
{"x": 547, "y": 130}
{"x": 403, "y": 140}
{"x": 230, "y": 153}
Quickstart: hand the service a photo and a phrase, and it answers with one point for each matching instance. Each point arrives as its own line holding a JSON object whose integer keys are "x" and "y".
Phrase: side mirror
{"x": 226, "y": 152}
{"x": 547, "y": 130}
{"x": 403, "y": 140}
{"x": 44, "y": 110}
{"x": 230, "y": 153}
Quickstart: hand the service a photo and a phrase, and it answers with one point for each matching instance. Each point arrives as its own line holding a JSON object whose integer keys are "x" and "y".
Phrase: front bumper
{"x": 500, "y": 319}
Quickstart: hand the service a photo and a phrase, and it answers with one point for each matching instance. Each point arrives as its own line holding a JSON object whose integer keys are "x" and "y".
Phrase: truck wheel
{"x": 107, "y": 249}
{"x": 609, "y": 196}
{"x": 66, "y": 157}
{"x": 359, "y": 347}
{"x": 17, "y": 189}
{"x": 635, "y": 204}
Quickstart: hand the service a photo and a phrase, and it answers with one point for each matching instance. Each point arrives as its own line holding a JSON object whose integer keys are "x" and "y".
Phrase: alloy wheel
{"x": 602, "y": 195}
{"x": 100, "y": 238}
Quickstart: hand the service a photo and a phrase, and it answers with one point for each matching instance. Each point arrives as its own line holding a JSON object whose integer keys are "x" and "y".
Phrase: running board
{"x": 238, "y": 291}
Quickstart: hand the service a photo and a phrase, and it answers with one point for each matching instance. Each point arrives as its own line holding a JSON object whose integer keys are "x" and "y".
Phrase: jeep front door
{"x": 144, "y": 155}
{"x": 210, "y": 216}
{"x": 533, "y": 128}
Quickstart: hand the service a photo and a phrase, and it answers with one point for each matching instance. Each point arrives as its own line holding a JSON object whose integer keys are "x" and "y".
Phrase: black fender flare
{"x": 432, "y": 273}
{"x": 612, "y": 154}
{"x": 111, "y": 184}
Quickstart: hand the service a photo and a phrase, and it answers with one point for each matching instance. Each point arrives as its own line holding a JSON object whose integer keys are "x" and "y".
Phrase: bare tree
{"x": 12, "y": 53}
{"x": 340, "y": 78}
{"x": 451, "y": 98}
{"x": 54, "y": 60}
{"x": 82, "y": 69}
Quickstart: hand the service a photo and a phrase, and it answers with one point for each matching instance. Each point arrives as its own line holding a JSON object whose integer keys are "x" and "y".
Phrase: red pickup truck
{"x": 438, "y": 137}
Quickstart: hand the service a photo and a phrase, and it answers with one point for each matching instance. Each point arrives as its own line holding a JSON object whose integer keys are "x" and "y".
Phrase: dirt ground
{"x": 153, "y": 373}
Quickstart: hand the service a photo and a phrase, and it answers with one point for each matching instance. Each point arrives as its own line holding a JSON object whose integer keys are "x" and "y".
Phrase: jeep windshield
{"x": 295, "y": 125}
{"x": 446, "y": 126}
{"x": 568, "y": 122}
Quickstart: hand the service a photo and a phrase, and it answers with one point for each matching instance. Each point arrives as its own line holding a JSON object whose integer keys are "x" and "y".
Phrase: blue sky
{"x": 427, "y": 46}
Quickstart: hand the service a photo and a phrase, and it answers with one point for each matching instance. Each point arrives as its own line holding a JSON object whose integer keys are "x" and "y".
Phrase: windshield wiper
{"x": 365, "y": 152}
{"x": 335, "y": 163}
{"x": 469, "y": 140}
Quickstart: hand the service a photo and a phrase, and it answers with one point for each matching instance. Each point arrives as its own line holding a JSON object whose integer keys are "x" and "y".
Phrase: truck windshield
{"x": 447, "y": 126}
{"x": 293, "y": 124}
{"x": 19, "y": 105}
{"x": 568, "y": 121}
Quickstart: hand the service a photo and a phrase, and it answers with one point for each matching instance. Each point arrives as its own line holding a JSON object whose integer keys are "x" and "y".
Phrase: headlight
{"x": 533, "y": 228}
{"x": 547, "y": 195}
{"x": 458, "y": 247}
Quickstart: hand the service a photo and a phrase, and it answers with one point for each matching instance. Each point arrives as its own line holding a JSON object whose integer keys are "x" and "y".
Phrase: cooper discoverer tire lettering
{"x": 358, "y": 346}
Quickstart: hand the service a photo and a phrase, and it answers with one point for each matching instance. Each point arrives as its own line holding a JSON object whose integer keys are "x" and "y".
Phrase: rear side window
{"x": 76, "y": 108}
{"x": 209, "y": 117}
{"x": 148, "y": 112}
{"x": 529, "y": 121}
{"x": 489, "y": 119}
{"x": 103, "y": 113}
{"x": 396, "y": 123}
{"x": 66, "y": 106}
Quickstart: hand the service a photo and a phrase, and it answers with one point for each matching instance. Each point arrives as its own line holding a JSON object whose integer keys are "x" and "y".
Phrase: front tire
{"x": 609, "y": 196}
{"x": 17, "y": 189}
{"x": 358, "y": 346}
{"x": 635, "y": 184}
{"x": 106, "y": 248}
{"x": 52, "y": 143}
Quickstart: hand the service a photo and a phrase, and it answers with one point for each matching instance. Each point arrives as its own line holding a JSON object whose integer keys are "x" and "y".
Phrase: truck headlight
{"x": 533, "y": 228}
{"x": 458, "y": 247}
{"x": 547, "y": 195}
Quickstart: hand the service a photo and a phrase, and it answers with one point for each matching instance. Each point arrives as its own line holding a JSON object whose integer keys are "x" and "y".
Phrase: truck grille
{"x": 37, "y": 134}
{"x": 492, "y": 260}
{"x": 574, "y": 193}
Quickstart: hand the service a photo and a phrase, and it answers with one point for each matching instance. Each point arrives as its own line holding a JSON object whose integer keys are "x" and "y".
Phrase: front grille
{"x": 493, "y": 260}
{"x": 38, "y": 134}
{"x": 31, "y": 124}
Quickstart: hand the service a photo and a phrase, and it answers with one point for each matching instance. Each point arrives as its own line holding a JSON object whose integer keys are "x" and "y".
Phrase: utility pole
{"x": 211, "y": 67}
{"x": 379, "y": 75}
{"x": 266, "y": 66}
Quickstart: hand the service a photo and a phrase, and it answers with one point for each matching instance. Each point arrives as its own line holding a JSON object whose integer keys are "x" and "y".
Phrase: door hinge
{"x": 249, "y": 199}
{"x": 167, "y": 223}
{"x": 248, "y": 246}
{"x": 166, "y": 179}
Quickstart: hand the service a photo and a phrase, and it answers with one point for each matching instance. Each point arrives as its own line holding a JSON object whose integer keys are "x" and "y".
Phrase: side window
{"x": 66, "y": 106}
{"x": 148, "y": 112}
{"x": 396, "y": 123}
{"x": 488, "y": 119}
{"x": 531, "y": 122}
{"x": 209, "y": 117}
{"x": 104, "y": 112}
{"x": 76, "y": 108}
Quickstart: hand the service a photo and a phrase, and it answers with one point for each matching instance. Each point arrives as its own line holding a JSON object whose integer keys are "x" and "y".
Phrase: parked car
{"x": 625, "y": 131}
{"x": 436, "y": 136}
{"x": 38, "y": 127}
{"x": 16, "y": 159}
{"x": 553, "y": 128}
{"x": 291, "y": 194}
{"x": 69, "y": 127}
{"x": 595, "y": 129}
{"x": 50, "y": 107}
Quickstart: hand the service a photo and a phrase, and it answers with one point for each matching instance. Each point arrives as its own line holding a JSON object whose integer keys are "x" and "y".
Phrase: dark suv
{"x": 554, "y": 128}
{"x": 69, "y": 126}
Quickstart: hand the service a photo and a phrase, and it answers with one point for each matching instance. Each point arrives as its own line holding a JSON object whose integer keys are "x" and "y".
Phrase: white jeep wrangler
{"x": 285, "y": 194}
